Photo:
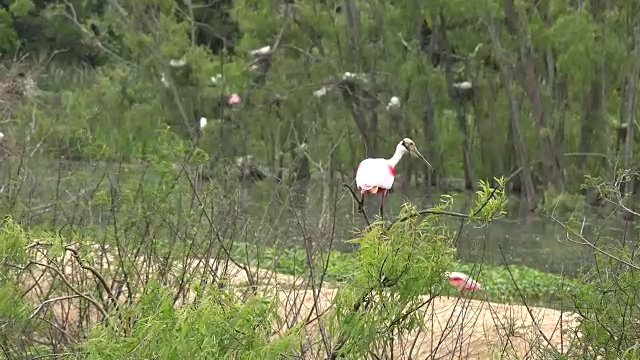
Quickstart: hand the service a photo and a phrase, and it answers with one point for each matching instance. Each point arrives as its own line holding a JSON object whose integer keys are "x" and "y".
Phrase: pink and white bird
{"x": 376, "y": 175}
{"x": 463, "y": 282}
{"x": 233, "y": 99}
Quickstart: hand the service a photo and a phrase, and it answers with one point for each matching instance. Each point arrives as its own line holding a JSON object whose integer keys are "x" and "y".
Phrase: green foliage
{"x": 514, "y": 283}
{"x": 574, "y": 35}
{"x": 606, "y": 296}
{"x": 7, "y": 33}
{"x": 502, "y": 284}
{"x": 133, "y": 42}
{"x": 394, "y": 268}
{"x": 218, "y": 326}
{"x": 13, "y": 241}
{"x": 564, "y": 205}
{"x": 490, "y": 201}
{"x": 608, "y": 307}
{"x": 14, "y": 310}
{"x": 134, "y": 105}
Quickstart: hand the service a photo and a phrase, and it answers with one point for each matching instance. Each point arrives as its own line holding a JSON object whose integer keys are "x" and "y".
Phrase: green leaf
{"x": 21, "y": 8}
{"x": 8, "y": 35}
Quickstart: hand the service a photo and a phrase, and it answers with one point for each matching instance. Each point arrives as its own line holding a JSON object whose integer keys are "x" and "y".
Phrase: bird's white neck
{"x": 400, "y": 151}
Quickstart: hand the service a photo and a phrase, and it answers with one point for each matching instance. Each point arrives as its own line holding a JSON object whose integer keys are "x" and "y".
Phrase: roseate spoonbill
{"x": 233, "y": 99}
{"x": 463, "y": 282}
{"x": 376, "y": 175}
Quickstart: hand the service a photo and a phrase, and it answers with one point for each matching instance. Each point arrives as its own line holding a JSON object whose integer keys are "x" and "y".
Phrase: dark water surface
{"x": 532, "y": 240}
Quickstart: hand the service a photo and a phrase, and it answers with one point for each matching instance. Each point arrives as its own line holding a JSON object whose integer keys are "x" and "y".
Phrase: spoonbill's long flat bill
{"x": 376, "y": 175}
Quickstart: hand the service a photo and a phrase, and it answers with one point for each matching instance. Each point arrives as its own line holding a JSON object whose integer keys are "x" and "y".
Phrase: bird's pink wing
{"x": 375, "y": 172}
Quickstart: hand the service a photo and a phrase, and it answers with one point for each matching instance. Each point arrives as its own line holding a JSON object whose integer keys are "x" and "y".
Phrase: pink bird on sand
{"x": 463, "y": 282}
{"x": 376, "y": 175}
{"x": 233, "y": 99}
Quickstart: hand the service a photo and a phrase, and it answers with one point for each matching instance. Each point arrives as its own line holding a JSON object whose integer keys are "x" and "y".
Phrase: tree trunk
{"x": 514, "y": 116}
{"x": 460, "y": 103}
{"x": 497, "y": 149}
{"x": 432, "y": 177}
{"x": 593, "y": 102}
{"x": 430, "y": 137}
{"x": 528, "y": 78}
{"x": 361, "y": 122}
{"x": 353, "y": 30}
{"x": 461, "y": 115}
{"x": 590, "y": 121}
{"x": 627, "y": 115}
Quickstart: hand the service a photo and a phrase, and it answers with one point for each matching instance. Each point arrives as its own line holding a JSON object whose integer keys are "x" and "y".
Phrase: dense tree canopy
{"x": 545, "y": 90}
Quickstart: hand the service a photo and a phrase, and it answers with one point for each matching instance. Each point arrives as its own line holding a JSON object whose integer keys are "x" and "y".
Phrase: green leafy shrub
{"x": 218, "y": 326}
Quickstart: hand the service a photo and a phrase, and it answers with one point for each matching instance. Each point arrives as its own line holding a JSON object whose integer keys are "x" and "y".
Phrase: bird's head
{"x": 408, "y": 146}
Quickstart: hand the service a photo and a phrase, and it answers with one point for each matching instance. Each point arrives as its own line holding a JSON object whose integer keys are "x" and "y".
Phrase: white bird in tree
{"x": 376, "y": 175}
{"x": 393, "y": 102}
{"x": 265, "y": 50}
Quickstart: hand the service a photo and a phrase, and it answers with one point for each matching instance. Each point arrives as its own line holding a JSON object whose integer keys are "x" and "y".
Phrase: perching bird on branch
{"x": 376, "y": 175}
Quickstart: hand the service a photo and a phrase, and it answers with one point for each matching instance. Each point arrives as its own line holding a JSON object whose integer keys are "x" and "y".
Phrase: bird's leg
{"x": 382, "y": 204}
{"x": 361, "y": 207}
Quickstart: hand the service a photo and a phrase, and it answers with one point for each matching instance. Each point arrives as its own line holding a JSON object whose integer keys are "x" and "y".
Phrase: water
{"x": 319, "y": 211}
{"x": 536, "y": 241}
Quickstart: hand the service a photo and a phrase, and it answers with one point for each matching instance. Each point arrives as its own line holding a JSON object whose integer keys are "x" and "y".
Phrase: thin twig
{"x": 360, "y": 204}
{"x": 533, "y": 319}
{"x": 591, "y": 245}
{"x": 447, "y": 213}
{"x": 71, "y": 287}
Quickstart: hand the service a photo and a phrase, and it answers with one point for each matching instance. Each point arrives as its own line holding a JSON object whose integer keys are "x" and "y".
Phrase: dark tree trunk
{"x": 430, "y": 137}
{"x": 590, "y": 120}
{"x": 528, "y": 78}
{"x": 514, "y": 117}
{"x": 461, "y": 106}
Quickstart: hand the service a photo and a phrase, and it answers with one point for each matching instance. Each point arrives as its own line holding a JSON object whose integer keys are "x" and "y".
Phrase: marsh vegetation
{"x": 130, "y": 230}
